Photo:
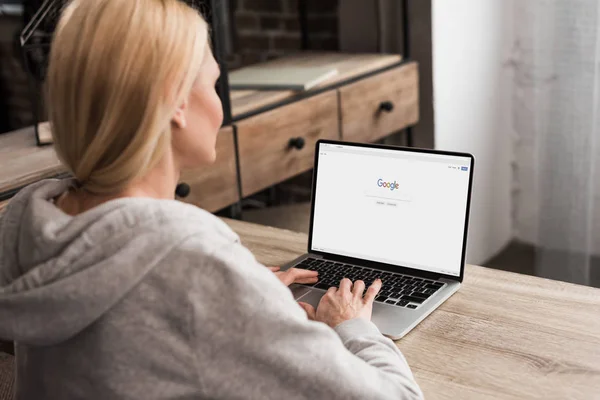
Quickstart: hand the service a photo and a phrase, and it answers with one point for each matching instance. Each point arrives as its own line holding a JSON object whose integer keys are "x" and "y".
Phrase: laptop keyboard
{"x": 397, "y": 289}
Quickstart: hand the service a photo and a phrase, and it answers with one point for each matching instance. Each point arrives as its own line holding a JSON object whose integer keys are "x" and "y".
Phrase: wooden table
{"x": 22, "y": 162}
{"x": 503, "y": 335}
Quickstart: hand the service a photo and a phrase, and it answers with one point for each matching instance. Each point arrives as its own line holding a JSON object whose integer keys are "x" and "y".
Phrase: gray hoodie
{"x": 155, "y": 299}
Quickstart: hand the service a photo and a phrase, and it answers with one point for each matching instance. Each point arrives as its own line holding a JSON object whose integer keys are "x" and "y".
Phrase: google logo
{"x": 390, "y": 185}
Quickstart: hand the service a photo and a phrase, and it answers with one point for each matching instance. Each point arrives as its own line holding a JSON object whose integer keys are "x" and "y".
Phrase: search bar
{"x": 393, "y": 195}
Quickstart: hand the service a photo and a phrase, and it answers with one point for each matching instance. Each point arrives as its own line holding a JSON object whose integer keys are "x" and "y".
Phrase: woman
{"x": 113, "y": 290}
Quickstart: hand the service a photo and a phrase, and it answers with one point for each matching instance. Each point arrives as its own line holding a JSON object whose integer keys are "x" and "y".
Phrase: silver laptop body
{"x": 399, "y": 214}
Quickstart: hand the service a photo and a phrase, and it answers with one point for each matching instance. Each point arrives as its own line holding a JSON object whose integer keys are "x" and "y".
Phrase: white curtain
{"x": 556, "y": 109}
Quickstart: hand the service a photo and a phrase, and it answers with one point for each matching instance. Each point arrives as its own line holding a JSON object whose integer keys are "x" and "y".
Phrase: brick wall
{"x": 266, "y": 29}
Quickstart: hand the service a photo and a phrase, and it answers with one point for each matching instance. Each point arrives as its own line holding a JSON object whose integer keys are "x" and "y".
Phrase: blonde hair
{"x": 118, "y": 71}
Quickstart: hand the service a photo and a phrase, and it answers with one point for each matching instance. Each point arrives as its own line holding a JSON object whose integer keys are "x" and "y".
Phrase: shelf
{"x": 349, "y": 66}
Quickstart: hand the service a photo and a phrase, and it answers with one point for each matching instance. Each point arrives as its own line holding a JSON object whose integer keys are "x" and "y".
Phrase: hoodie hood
{"x": 59, "y": 273}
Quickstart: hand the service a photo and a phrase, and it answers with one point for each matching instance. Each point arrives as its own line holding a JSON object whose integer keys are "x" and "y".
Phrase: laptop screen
{"x": 397, "y": 207}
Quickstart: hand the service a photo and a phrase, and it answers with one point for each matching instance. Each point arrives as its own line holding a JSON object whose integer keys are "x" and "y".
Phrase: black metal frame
{"x": 303, "y": 17}
{"x": 406, "y": 48}
{"x": 218, "y": 15}
{"x": 236, "y": 209}
{"x": 379, "y": 265}
{"x": 36, "y": 96}
{"x": 27, "y": 47}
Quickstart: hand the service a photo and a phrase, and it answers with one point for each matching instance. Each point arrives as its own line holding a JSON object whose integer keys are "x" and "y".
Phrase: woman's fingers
{"x": 346, "y": 285}
{"x": 307, "y": 280}
{"x": 358, "y": 288}
{"x": 295, "y": 275}
{"x": 302, "y": 273}
{"x": 311, "y": 313}
{"x": 372, "y": 291}
{"x": 286, "y": 277}
{"x": 274, "y": 269}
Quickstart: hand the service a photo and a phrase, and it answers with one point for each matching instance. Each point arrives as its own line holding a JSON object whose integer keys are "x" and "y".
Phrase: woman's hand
{"x": 345, "y": 303}
{"x": 295, "y": 275}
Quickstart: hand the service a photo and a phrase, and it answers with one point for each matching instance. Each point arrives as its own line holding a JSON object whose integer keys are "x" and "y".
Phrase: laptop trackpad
{"x": 299, "y": 291}
{"x": 307, "y": 295}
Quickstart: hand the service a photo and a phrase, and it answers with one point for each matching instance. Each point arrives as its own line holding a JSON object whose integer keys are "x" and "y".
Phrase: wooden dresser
{"x": 273, "y": 133}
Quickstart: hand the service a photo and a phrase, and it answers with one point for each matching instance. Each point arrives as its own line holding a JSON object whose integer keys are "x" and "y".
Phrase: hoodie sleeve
{"x": 253, "y": 341}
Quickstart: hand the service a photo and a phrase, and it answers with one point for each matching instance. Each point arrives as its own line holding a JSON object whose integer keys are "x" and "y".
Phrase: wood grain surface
{"x": 502, "y": 336}
{"x": 361, "y": 116}
{"x": 263, "y": 140}
{"x": 215, "y": 187}
{"x": 348, "y": 66}
{"x": 22, "y": 162}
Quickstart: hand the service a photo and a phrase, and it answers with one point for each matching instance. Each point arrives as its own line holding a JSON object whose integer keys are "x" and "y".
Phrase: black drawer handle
{"x": 183, "y": 190}
{"x": 297, "y": 143}
{"x": 386, "y": 106}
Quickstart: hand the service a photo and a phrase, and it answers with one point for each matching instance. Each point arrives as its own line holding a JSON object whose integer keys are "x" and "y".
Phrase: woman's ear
{"x": 179, "y": 118}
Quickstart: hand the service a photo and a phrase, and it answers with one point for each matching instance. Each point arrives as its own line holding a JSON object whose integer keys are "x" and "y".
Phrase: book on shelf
{"x": 44, "y": 133}
{"x": 279, "y": 78}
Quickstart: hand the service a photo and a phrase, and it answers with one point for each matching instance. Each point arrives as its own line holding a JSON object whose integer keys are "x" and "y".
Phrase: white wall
{"x": 472, "y": 96}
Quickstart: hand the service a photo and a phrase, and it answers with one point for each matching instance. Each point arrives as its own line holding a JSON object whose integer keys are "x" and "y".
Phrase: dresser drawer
{"x": 378, "y": 106}
{"x": 279, "y": 144}
{"x": 214, "y": 187}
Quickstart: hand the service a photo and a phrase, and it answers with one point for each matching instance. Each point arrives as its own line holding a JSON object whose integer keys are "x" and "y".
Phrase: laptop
{"x": 395, "y": 213}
